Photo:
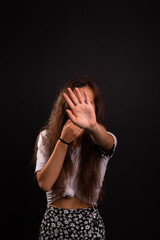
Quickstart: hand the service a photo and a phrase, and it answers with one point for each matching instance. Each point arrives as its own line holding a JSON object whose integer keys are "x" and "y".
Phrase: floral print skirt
{"x": 84, "y": 223}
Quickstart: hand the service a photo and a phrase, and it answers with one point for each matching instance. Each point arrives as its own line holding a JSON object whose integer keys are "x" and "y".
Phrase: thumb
{"x": 71, "y": 116}
{"x": 68, "y": 122}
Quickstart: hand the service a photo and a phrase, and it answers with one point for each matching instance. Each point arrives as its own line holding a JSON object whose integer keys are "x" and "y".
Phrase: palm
{"x": 82, "y": 115}
{"x": 81, "y": 110}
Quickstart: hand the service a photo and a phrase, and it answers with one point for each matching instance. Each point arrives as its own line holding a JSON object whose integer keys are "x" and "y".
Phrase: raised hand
{"x": 81, "y": 110}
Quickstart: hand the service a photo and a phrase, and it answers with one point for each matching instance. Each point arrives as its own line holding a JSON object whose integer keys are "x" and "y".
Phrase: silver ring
{"x": 76, "y": 104}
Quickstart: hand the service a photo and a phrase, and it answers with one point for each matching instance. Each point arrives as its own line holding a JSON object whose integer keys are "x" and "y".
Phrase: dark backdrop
{"x": 45, "y": 45}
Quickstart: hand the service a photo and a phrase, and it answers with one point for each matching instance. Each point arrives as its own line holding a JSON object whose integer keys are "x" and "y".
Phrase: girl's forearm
{"x": 101, "y": 137}
{"x": 47, "y": 176}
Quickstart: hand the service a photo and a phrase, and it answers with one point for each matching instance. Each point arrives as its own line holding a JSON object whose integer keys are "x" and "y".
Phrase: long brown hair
{"x": 89, "y": 174}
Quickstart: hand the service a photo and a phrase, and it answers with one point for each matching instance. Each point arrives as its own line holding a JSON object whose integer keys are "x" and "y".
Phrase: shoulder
{"x": 41, "y": 137}
{"x": 43, "y": 133}
{"x": 114, "y": 138}
{"x": 111, "y": 153}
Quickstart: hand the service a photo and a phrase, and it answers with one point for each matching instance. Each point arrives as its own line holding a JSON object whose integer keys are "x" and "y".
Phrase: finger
{"x": 68, "y": 122}
{"x": 71, "y": 116}
{"x": 87, "y": 100}
{"x": 79, "y": 95}
{"x": 68, "y": 100}
{"x": 73, "y": 96}
{"x": 81, "y": 131}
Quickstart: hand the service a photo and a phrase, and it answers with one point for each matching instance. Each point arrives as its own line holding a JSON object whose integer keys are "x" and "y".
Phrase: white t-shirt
{"x": 71, "y": 183}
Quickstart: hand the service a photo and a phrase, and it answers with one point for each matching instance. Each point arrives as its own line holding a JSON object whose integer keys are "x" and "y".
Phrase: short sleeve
{"x": 103, "y": 153}
{"x": 114, "y": 144}
{"x": 42, "y": 153}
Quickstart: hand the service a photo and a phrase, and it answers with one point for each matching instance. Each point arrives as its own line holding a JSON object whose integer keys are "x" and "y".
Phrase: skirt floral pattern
{"x": 67, "y": 224}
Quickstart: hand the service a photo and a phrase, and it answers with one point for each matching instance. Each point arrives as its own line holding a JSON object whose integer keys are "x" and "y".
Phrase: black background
{"x": 46, "y": 44}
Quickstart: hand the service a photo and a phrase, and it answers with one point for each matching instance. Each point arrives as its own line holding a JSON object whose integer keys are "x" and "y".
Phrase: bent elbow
{"x": 42, "y": 183}
{"x": 44, "y": 187}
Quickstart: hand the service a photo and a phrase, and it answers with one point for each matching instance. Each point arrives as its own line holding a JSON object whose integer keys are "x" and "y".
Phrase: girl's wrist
{"x": 93, "y": 128}
{"x": 63, "y": 142}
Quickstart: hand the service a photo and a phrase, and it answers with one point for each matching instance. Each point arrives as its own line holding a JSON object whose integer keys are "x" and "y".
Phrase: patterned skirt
{"x": 67, "y": 224}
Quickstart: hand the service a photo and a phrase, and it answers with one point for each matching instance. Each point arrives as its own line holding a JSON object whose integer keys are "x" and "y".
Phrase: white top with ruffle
{"x": 71, "y": 183}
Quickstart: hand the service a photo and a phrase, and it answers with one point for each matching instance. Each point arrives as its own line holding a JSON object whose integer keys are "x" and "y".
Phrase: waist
{"x": 70, "y": 203}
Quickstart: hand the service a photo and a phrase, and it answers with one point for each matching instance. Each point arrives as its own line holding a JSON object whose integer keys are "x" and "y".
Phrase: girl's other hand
{"x": 70, "y": 131}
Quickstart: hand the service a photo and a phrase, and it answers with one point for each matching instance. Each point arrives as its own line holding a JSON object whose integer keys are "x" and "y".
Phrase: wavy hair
{"x": 89, "y": 168}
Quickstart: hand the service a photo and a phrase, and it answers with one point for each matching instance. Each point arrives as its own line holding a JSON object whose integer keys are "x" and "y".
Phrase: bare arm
{"x": 101, "y": 137}
{"x": 82, "y": 113}
{"x": 47, "y": 176}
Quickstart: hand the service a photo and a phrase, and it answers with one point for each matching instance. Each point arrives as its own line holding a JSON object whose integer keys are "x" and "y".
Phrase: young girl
{"x": 72, "y": 152}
